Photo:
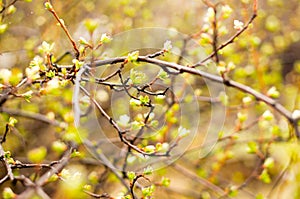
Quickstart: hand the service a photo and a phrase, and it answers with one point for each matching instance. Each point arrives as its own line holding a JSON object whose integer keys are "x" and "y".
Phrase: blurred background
{"x": 266, "y": 55}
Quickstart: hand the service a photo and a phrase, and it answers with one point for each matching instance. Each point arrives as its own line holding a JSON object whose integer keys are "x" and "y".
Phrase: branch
{"x": 30, "y": 115}
{"x": 229, "y": 83}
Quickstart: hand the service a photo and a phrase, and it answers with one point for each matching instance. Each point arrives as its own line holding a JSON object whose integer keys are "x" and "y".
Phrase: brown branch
{"x": 30, "y": 115}
{"x": 104, "y": 195}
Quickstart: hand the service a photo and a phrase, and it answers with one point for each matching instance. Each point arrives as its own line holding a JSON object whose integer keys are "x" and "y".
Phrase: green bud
{"x": 11, "y": 9}
{"x": 48, "y": 6}
{"x": 148, "y": 170}
{"x": 144, "y": 99}
{"x": 165, "y": 182}
{"x": 269, "y": 163}
{"x": 267, "y": 115}
{"x": 12, "y": 121}
{"x": 83, "y": 41}
{"x": 149, "y": 149}
{"x": 252, "y": 147}
{"x": 131, "y": 175}
{"x": 272, "y": 92}
{"x": 135, "y": 102}
{"x": 59, "y": 147}
{"x": 133, "y": 57}
{"x": 265, "y": 177}
{"x": 105, "y": 39}
{"x": 3, "y": 28}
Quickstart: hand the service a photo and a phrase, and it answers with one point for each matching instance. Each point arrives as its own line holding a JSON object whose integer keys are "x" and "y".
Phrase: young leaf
{"x": 148, "y": 170}
{"x": 133, "y": 57}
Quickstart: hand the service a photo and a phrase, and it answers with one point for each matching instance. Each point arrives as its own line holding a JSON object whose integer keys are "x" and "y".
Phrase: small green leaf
{"x": 242, "y": 117}
{"x": 3, "y": 28}
{"x": 148, "y": 191}
{"x": 269, "y": 163}
{"x": 78, "y": 64}
{"x": 127, "y": 197}
{"x": 148, "y": 170}
{"x": 226, "y": 11}
{"x": 48, "y": 6}
{"x": 131, "y": 175}
{"x": 133, "y": 57}
{"x": 12, "y": 121}
{"x": 27, "y": 96}
{"x": 154, "y": 123}
{"x": 163, "y": 75}
{"x": 46, "y": 47}
{"x": 149, "y": 149}
{"x": 53, "y": 178}
{"x": 265, "y": 177}
{"x": 165, "y": 182}
{"x": 87, "y": 187}
{"x": 135, "y": 125}
{"x": 233, "y": 191}
{"x": 144, "y": 99}
{"x": 252, "y": 147}
{"x": 268, "y": 116}
{"x": 76, "y": 154}
{"x": 50, "y": 73}
{"x": 137, "y": 77}
{"x": 135, "y": 102}
{"x": 273, "y": 92}
{"x": 83, "y": 41}
{"x": 105, "y": 39}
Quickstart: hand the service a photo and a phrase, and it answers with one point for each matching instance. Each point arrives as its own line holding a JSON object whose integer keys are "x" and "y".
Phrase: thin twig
{"x": 231, "y": 39}
{"x": 62, "y": 24}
